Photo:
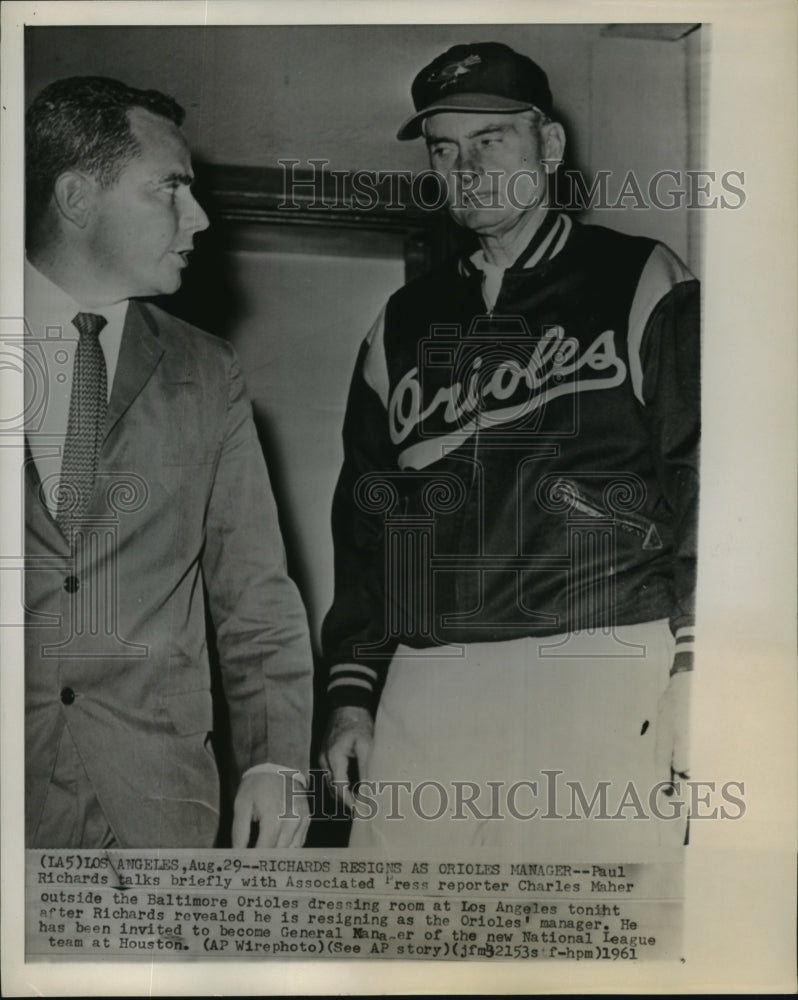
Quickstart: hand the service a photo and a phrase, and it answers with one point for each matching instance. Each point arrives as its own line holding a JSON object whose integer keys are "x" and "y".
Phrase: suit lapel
{"x": 36, "y": 509}
{"x": 139, "y": 355}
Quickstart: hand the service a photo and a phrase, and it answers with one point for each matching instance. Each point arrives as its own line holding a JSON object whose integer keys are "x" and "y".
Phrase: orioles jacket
{"x": 527, "y": 471}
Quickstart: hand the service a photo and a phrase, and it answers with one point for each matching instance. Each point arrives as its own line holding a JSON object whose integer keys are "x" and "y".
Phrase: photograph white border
{"x": 740, "y": 909}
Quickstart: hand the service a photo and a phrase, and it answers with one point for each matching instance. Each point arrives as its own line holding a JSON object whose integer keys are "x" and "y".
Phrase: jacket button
{"x": 67, "y": 696}
{"x": 71, "y": 584}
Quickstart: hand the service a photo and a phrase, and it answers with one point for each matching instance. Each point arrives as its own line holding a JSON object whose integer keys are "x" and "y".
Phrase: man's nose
{"x": 194, "y": 217}
{"x": 469, "y": 162}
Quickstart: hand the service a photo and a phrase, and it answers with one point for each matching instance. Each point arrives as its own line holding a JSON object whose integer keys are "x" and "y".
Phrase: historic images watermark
{"x": 545, "y": 796}
{"x": 316, "y": 187}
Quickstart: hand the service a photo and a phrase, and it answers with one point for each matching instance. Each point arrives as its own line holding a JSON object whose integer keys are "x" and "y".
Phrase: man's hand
{"x": 350, "y": 733}
{"x": 280, "y": 810}
{"x": 672, "y": 746}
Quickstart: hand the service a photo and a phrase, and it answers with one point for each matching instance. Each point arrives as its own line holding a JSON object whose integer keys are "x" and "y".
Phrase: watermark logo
{"x": 546, "y": 796}
{"x": 316, "y": 187}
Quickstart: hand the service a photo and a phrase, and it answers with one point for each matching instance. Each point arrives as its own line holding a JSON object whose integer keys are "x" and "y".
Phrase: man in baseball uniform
{"x": 510, "y": 642}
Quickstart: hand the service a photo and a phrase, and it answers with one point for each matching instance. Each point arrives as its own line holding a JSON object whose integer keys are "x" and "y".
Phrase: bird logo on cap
{"x": 448, "y": 74}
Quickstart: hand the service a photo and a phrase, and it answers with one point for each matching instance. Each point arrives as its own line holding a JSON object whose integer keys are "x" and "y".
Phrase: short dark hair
{"x": 82, "y": 123}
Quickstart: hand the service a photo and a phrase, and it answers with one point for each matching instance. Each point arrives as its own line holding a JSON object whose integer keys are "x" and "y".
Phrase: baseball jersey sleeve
{"x": 356, "y": 646}
{"x": 665, "y": 360}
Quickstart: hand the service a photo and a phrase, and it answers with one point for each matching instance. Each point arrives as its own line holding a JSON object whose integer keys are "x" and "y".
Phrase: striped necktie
{"x": 87, "y": 408}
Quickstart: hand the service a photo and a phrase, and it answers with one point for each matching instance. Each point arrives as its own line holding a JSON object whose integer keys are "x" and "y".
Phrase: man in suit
{"x": 146, "y": 490}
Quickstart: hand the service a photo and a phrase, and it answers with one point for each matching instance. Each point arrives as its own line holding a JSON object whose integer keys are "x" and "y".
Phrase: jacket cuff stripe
{"x": 350, "y": 682}
{"x": 353, "y": 668}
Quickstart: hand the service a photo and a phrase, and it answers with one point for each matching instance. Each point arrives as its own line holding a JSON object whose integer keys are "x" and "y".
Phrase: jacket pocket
{"x": 583, "y": 501}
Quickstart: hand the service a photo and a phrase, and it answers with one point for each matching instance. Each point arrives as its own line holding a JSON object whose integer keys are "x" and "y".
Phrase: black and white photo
{"x": 396, "y": 571}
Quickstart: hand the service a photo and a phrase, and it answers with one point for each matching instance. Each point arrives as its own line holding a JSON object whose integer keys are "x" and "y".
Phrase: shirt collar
{"x": 48, "y": 305}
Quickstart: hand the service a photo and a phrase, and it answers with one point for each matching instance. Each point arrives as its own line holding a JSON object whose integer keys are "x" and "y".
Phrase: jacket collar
{"x": 546, "y": 242}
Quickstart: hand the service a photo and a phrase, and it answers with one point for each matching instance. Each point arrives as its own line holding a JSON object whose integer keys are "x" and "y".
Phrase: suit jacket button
{"x": 71, "y": 584}
{"x": 67, "y": 696}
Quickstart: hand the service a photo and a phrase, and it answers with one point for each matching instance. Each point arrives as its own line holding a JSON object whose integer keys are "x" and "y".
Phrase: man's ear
{"x": 74, "y": 195}
{"x": 553, "y": 136}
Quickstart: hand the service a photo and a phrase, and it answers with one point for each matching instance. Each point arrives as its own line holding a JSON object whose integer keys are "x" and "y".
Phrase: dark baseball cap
{"x": 482, "y": 77}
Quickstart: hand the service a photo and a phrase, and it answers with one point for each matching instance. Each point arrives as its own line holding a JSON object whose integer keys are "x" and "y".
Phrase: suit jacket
{"x": 116, "y": 650}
